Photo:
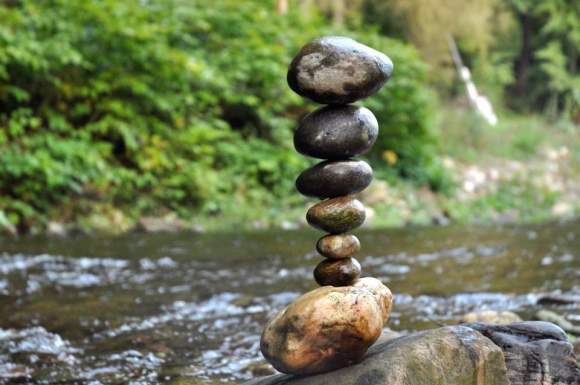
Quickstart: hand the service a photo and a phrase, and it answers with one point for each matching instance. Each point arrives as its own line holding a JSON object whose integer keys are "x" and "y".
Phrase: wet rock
{"x": 453, "y": 355}
{"x": 14, "y": 373}
{"x": 550, "y": 316}
{"x": 331, "y": 179}
{"x": 56, "y": 229}
{"x": 492, "y": 317}
{"x": 536, "y": 353}
{"x": 337, "y": 215}
{"x": 559, "y": 299}
{"x": 337, "y": 272}
{"x": 336, "y": 132}
{"x": 382, "y": 294}
{"x": 260, "y": 369}
{"x": 338, "y": 70}
{"x": 325, "y": 329}
{"x": 336, "y": 246}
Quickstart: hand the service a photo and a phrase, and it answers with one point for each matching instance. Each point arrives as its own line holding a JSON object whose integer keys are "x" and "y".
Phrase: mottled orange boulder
{"x": 382, "y": 294}
{"x": 325, "y": 329}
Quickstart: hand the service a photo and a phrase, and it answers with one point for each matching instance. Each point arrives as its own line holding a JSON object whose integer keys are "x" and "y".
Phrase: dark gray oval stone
{"x": 331, "y": 179}
{"x": 337, "y": 215}
{"x": 338, "y": 70}
{"x": 336, "y": 132}
{"x": 337, "y": 272}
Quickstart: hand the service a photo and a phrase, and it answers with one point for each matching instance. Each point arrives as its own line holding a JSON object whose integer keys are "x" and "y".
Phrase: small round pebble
{"x": 336, "y": 132}
{"x": 337, "y": 246}
{"x": 337, "y": 272}
{"x": 337, "y": 215}
{"x": 330, "y": 179}
{"x": 338, "y": 70}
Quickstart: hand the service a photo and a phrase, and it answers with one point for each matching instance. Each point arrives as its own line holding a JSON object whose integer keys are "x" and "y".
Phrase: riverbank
{"x": 524, "y": 170}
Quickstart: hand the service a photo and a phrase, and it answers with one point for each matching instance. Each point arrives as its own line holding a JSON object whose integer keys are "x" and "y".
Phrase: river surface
{"x": 188, "y": 309}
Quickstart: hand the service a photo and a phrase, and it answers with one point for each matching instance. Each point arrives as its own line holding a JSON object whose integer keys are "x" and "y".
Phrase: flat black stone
{"x": 338, "y": 70}
{"x": 331, "y": 179}
{"x": 336, "y": 132}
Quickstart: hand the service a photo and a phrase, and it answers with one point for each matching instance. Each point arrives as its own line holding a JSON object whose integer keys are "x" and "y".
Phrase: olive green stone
{"x": 338, "y": 246}
{"x": 337, "y": 272}
{"x": 337, "y": 215}
{"x": 331, "y": 179}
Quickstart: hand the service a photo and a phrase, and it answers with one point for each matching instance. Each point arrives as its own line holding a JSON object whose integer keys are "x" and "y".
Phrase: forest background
{"x": 174, "y": 114}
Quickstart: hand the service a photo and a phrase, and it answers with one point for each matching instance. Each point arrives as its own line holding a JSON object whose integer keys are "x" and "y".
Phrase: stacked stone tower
{"x": 333, "y": 326}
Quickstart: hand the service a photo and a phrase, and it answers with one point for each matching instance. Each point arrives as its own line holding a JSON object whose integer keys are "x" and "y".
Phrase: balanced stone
{"x": 338, "y": 70}
{"x": 382, "y": 294}
{"x": 322, "y": 330}
{"x": 337, "y": 246}
{"x": 330, "y": 179}
{"x": 336, "y": 132}
{"x": 337, "y": 272}
{"x": 337, "y": 215}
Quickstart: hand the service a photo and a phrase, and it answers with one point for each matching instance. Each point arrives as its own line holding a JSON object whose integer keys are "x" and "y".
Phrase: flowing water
{"x": 188, "y": 309}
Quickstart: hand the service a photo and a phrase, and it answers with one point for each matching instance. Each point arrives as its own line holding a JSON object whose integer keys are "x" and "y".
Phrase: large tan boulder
{"x": 325, "y": 329}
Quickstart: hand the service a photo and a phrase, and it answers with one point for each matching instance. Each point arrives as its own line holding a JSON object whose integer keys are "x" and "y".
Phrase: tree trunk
{"x": 282, "y": 7}
{"x": 524, "y": 59}
{"x": 338, "y": 10}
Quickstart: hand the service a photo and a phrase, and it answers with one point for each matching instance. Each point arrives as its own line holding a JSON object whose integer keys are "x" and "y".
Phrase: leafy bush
{"x": 166, "y": 105}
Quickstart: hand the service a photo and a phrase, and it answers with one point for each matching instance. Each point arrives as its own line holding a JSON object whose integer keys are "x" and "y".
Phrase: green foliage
{"x": 166, "y": 104}
{"x": 547, "y": 58}
{"x": 404, "y": 109}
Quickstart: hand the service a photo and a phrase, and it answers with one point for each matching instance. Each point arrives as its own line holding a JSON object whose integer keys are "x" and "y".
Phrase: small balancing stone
{"x": 338, "y": 70}
{"x": 337, "y": 272}
{"x": 324, "y": 329}
{"x": 337, "y": 246}
{"x": 336, "y": 132}
{"x": 337, "y": 215}
{"x": 331, "y": 179}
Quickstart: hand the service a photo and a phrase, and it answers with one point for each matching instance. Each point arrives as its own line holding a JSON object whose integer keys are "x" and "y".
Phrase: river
{"x": 188, "y": 309}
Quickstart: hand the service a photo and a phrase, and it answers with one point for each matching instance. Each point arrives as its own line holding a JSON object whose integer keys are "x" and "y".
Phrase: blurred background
{"x": 173, "y": 117}
{"x": 175, "y": 113}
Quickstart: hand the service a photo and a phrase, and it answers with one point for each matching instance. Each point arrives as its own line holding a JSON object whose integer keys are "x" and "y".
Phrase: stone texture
{"x": 337, "y": 246}
{"x": 325, "y": 329}
{"x": 331, "y": 179}
{"x": 336, "y": 132}
{"x": 560, "y": 320}
{"x": 337, "y": 215}
{"x": 536, "y": 352}
{"x": 446, "y": 356}
{"x": 338, "y": 70}
{"x": 337, "y": 272}
{"x": 382, "y": 294}
{"x": 492, "y": 317}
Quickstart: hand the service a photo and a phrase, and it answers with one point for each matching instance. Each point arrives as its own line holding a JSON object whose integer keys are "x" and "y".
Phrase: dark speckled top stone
{"x": 336, "y": 132}
{"x": 330, "y": 179}
{"x": 338, "y": 70}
